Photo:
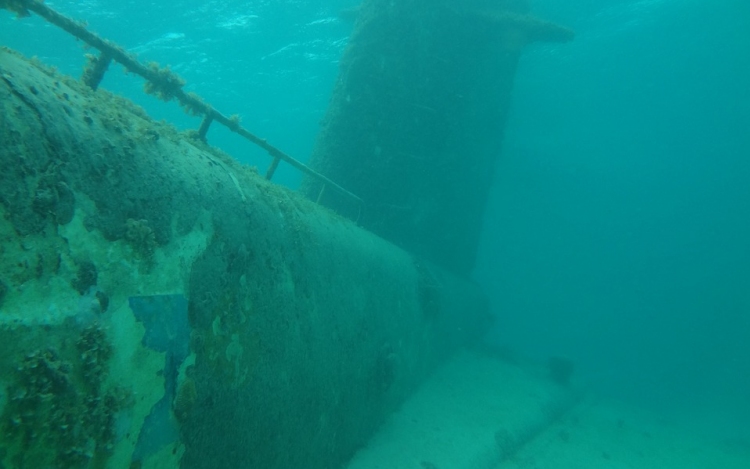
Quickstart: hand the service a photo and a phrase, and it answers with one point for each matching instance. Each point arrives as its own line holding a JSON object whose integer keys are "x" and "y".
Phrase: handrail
{"x": 161, "y": 82}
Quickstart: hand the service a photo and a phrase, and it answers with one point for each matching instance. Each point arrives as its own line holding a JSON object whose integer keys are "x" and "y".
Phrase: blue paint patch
{"x": 167, "y": 330}
{"x": 166, "y": 322}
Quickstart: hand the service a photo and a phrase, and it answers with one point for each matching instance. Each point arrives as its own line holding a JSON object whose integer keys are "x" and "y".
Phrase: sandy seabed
{"x": 481, "y": 412}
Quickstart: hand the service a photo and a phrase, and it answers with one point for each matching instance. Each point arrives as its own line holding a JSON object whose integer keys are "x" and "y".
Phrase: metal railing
{"x": 163, "y": 83}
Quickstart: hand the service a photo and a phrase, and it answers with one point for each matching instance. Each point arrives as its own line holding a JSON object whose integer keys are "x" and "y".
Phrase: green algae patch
{"x": 59, "y": 411}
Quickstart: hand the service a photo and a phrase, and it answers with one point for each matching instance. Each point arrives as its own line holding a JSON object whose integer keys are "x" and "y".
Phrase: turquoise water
{"x": 618, "y": 232}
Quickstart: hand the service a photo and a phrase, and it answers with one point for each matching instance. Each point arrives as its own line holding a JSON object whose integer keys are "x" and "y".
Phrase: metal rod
{"x": 272, "y": 168}
{"x": 320, "y": 194}
{"x": 94, "y": 71}
{"x": 203, "y": 129}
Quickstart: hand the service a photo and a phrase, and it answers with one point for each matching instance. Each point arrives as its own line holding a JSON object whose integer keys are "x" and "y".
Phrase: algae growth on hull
{"x": 300, "y": 330}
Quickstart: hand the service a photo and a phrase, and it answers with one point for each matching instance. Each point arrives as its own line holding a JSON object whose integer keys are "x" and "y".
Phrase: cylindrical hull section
{"x": 163, "y": 306}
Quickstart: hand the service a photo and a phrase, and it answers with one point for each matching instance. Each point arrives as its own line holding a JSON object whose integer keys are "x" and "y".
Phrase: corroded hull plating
{"x": 163, "y": 306}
